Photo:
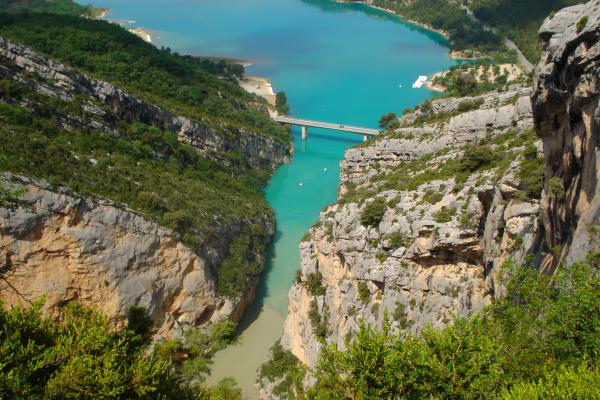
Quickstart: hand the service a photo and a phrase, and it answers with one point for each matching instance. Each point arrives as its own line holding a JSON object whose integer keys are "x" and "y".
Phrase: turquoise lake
{"x": 342, "y": 63}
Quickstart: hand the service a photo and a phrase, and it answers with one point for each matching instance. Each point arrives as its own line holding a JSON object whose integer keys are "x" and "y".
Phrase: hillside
{"x": 514, "y": 19}
{"x": 139, "y": 173}
{"x": 423, "y": 279}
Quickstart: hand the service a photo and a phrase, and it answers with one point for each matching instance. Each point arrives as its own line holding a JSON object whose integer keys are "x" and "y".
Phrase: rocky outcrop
{"x": 567, "y": 116}
{"x": 497, "y": 113}
{"x": 416, "y": 236}
{"x": 434, "y": 250}
{"x": 69, "y": 248}
{"x": 107, "y": 104}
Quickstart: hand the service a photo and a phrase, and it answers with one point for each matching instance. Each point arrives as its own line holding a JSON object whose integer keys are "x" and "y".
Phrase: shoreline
{"x": 142, "y": 33}
{"x": 259, "y": 86}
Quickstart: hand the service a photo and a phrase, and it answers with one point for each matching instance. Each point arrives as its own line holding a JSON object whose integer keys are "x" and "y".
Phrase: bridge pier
{"x": 304, "y": 132}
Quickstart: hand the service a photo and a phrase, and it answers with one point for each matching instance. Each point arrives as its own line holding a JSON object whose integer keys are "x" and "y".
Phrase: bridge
{"x": 305, "y": 123}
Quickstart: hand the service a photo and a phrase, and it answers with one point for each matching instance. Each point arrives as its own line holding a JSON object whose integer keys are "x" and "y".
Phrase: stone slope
{"x": 69, "y": 248}
{"x": 434, "y": 252}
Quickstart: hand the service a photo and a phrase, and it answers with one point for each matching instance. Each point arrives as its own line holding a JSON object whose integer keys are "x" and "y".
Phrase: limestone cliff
{"x": 567, "y": 116}
{"x": 69, "y": 248}
{"x": 433, "y": 250}
{"x": 428, "y": 213}
{"x": 102, "y": 253}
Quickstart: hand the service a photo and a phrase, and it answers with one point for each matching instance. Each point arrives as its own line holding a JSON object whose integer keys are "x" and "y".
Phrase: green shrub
{"x": 582, "y": 23}
{"x": 533, "y": 343}
{"x": 432, "y": 197}
{"x": 397, "y": 239}
{"x": 364, "y": 294}
{"x": 468, "y": 105}
{"x": 531, "y": 174}
{"x": 445, "y": 215}
{"x": 319, "y": 324}
{"x": 314, "y": 284}
{"x": 282, "y": 367}
{"x": 372, "y": 214}
{"x": 556, "y": 188}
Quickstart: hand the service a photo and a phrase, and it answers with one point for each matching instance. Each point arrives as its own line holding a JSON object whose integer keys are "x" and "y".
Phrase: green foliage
{"x": 372, "y": 214}
{"x": 556, "y": 188}
{"x": 519, "y": 20}
{"x": 582, "y": 23}
{"x": 68, "y": 7}
{"x": 530, "y": 344}
{"x": 531, "y": 174}
{"x": 183, "y": 84}
{"x": 192, "y": 355}
{"x": 464, "y": 33}
{"x": 468, "y": 105}
{"x": 388, "y": 120}
{"x": 145, "y": 168}
{"x": 445, "y": 215}
{"x": 432, "y": 197}
{"x": 364, "y": 294}
{"x": 139, "y": 322}
{"x": 281, "y": 103}
{"x": 319, "y": 324}
{"x": 567, "y": 383}
{"x": 80, "y": 357}
{"x": 397, "y": 239}
{"x": 314, "y": 284}
{"x": 284, "y": 369}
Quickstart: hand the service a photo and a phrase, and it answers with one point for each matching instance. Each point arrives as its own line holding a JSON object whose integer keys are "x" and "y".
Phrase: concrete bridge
{"x": 305, "y": 123}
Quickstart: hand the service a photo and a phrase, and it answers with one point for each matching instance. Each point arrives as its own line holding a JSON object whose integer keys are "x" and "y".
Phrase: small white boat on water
{"x": 419, "y": 82}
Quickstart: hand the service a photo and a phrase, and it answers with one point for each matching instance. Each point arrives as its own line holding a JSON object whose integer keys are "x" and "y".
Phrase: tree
{"x": 281, "y": 103}
{"x": 387, "y": 120}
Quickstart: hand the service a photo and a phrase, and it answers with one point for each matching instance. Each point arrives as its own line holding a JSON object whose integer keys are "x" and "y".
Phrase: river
{"x": 342, "y": 63}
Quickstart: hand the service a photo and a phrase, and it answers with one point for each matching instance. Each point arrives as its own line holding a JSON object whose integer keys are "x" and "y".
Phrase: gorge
{"x": 146, "y": 192}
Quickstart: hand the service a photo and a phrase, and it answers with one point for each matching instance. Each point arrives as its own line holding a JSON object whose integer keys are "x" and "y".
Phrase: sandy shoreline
{"x": 259, "y": 86}
{"x": 141, "y": 32}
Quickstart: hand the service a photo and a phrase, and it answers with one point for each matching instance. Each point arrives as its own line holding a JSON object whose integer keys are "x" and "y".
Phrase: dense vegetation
{"x": 464, "y": 32}
{"x": 85, "y": 357}
{"x": 183, "y": 84}
{"x": 145, "y": 168}
{"x": 540, "y": 340}
{"x": 67, "y": 7}
{"x": 519, "y": 20}
{"x": 516, "y": 19}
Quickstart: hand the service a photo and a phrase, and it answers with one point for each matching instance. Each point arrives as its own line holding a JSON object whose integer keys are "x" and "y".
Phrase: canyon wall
{"x": 428, "y": 213}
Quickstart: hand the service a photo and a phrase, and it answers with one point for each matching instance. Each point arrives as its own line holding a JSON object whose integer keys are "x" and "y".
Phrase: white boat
{"x": 419, "y": 82}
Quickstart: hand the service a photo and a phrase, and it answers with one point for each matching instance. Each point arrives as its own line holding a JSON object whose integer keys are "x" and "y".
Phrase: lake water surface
{"x": 342, "y": 63}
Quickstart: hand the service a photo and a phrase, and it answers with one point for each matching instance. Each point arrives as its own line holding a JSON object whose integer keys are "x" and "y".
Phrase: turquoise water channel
{"x": 342, "y": 63}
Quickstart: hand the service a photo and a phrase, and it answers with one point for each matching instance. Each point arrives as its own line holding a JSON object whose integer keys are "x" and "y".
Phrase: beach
{"x": 258, "y": 86}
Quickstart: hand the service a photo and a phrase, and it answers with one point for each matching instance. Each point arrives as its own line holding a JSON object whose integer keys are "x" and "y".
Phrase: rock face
{"x": 70, "y": 248}
{"x": 434, "y": 250}
{"x": 424, "y": 244}
{"x": 108, "y": 103}
{"x": 567, "y": 117}
{"x": 101, "y": 253}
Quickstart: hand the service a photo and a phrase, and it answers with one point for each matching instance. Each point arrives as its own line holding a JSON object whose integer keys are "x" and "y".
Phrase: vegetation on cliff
{"x": 84, "y": 356}
{"x": 200, "y": 89}
{"x": 517, "y": 20}
{"x": 143, "y": 167}
{"x": 541, "y": 337}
